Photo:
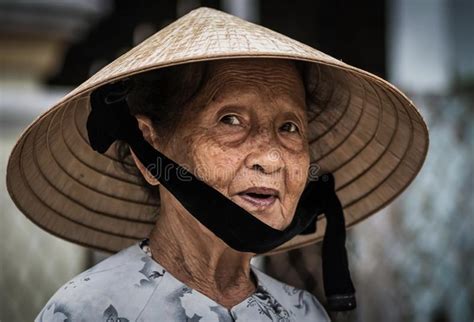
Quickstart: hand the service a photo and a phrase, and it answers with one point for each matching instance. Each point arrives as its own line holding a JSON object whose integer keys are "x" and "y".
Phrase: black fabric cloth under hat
{"x": 110, "y": 120}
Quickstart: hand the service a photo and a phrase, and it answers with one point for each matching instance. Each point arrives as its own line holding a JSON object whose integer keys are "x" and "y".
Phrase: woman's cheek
{"x": 213, "y": 164}
{"x": 297, "y": 175}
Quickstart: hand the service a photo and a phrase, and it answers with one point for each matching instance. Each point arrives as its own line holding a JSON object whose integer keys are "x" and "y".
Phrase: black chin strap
{"x": 337, "y": 279}
{"x": 110, "y": 120}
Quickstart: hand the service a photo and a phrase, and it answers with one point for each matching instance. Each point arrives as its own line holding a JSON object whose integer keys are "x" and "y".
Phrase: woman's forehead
{"x": 253, "y": 79}
{"x": 271, "y": 71}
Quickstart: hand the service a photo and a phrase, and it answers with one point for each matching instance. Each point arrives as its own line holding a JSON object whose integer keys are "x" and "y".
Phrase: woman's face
{"x": 245, "y": 134}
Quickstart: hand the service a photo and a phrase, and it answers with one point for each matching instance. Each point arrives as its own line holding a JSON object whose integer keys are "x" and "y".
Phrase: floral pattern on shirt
{"x": 111, "y": 315}
{"x": 132, "y": 286}
{"x": 150, "y": 274}
{"x": 302, "y": 301}
{"x": 268, "y": 305}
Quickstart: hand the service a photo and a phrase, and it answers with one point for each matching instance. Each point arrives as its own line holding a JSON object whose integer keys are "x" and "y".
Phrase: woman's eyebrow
{"x": 233, "y": 106}
{"x": 295, "y": 116}
{"x": 217, "y": 108}
{"x": 293, "y": 106}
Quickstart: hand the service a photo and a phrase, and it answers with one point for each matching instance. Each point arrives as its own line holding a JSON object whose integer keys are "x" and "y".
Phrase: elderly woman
{"x": 214, "y": 122}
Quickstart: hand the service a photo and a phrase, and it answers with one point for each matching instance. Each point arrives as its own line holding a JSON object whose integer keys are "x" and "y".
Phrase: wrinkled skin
{"x": 247, "y": 128}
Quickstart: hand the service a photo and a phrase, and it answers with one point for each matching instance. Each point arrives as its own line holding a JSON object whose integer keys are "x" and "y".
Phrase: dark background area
{"x": 344, "y": 29}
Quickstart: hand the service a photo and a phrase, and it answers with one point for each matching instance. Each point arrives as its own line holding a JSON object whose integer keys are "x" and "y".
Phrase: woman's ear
{"x": 146, "y": 126}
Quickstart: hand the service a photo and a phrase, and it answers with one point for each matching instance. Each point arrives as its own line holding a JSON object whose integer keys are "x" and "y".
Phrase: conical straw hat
{"x": 367, "y": 133}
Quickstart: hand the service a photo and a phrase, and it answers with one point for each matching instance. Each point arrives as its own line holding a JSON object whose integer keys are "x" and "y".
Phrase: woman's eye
{"x": 290, "y": 127}
{"x": 230, "y": 119}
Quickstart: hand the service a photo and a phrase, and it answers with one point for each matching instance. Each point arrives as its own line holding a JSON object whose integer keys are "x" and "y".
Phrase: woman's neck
{"x": 196, "y": 257}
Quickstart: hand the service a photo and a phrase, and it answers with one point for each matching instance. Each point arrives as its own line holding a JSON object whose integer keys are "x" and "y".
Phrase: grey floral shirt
{"x": 132, "y": 286}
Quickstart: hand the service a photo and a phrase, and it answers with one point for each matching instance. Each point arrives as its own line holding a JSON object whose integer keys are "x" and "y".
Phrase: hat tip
{"x": 203, "y": 9}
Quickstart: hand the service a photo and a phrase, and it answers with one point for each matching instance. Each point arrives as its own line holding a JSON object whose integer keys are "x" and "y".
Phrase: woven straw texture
{"x": 367, "y": 133}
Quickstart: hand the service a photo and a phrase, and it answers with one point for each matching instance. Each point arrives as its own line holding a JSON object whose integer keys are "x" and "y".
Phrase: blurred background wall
{"x": 413, "y": 261}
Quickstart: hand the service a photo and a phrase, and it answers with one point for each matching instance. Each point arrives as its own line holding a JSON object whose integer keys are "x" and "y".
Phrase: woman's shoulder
{"x": 300, "y": 303}
{"x": 123, "y": 280}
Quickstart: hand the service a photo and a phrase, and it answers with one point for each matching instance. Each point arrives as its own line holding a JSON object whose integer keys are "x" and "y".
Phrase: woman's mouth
{"x": 259, "y": 197}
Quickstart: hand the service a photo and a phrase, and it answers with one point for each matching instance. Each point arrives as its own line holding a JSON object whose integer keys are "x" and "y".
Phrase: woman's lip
{"x": 262, "y": 191}
{"x": 259, "y": 202}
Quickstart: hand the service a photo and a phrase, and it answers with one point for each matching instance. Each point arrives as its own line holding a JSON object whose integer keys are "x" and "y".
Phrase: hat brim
{"x": 367, "y": 133}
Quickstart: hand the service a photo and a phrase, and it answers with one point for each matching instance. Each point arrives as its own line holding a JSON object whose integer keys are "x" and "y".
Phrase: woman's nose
{"x": 265, "y": 154}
